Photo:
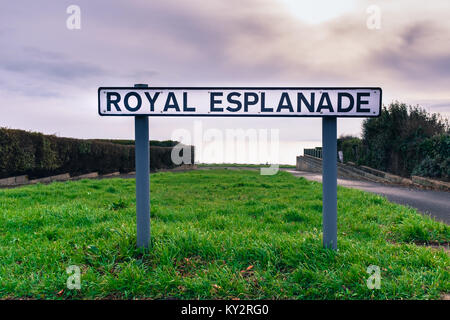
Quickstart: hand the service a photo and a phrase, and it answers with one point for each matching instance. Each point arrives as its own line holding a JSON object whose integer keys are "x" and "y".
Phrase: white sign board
{"x": 240, "y": 102}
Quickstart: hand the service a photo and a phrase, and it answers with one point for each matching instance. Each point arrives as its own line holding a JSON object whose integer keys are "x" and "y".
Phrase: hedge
{"x": 165, "y": 143}
{"x": 392, "y": 141}
{"x": 436, "y": 158}
{"x": 39, "y": 155}
{"x": 404, "y": 140}
{"x": 350, "y": 147}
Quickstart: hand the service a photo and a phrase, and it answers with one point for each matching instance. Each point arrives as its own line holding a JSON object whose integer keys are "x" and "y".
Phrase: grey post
{"x": 329, "y": 181}
{"x": 142, "y": 157}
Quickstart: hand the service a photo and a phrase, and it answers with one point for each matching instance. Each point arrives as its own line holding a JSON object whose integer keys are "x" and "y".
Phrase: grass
{"x": 215, "y": 234}
{"x": 243, "y": 165}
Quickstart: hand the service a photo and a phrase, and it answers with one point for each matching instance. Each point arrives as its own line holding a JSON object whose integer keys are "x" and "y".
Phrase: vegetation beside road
{"x": 404, "y": 140}
{"x": 38, "y": 155}
{"x": 215, "y": 234}
{"x": 157, "y": 143}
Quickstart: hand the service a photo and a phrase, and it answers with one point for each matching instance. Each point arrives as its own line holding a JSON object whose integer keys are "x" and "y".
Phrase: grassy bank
{"x": 216, "y": 234}
{"x": 237, "y": 165}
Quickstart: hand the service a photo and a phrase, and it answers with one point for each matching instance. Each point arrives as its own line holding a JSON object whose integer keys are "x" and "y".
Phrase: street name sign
{"x": 240, "y": 102}
{"x": 329, "y": 103}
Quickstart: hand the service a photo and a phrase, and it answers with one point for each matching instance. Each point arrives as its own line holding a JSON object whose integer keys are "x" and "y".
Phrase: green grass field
{"x": 243, "y": 165}
{"x": 215, "y": 234}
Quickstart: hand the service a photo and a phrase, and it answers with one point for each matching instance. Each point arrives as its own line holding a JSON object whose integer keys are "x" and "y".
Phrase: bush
{"x": 351, "y": 148}
{"x": 165, "y": 143}
{"x": 403, "y": 140}
{"x": 392, "y": 142}
{"x": 39, "y": 155}
{"x": 436, "y": 163}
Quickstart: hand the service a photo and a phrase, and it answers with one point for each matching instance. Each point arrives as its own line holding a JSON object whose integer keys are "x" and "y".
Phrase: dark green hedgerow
{"x": 402, "y": 137}
{"x": 165, "y": 143}
{"x": 39, "y": 155}
{"x": 404, "y": 140}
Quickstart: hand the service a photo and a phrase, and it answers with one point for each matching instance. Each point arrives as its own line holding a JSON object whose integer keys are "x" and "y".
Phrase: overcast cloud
{"x": 49, "y": 74}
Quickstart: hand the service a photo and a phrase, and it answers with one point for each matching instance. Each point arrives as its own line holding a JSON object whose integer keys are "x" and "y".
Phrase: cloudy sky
{"x": 49, "y": 74}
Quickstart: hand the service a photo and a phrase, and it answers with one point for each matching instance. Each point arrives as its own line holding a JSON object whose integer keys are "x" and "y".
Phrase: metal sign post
{"x": 327, "y": 103}
{"x": 329, "y": 182}
{"x": 142, "y": 158}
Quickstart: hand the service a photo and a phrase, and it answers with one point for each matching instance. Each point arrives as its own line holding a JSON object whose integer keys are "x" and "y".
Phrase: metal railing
{"x": 316, "y": 152}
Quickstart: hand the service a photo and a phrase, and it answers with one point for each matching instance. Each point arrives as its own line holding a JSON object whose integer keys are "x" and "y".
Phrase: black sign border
{"x": 239, "y": 88}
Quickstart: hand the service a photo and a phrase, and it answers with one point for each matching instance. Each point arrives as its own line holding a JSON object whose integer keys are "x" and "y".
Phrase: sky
{"x": 49, "y": 74}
